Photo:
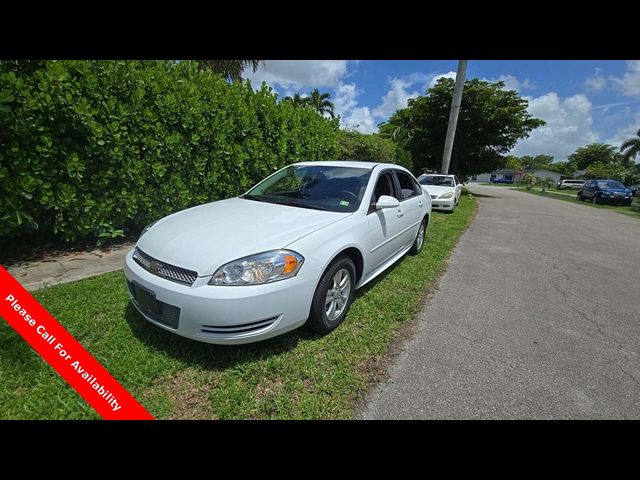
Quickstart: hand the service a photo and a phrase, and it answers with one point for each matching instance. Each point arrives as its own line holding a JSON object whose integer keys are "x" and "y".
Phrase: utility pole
{"x": 453, "y": 115}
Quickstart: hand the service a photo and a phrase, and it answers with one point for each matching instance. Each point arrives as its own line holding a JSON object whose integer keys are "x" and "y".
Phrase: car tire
{"x": 594, "y": 199}
{"x": 418, "y": 243}
{"x": 579, "y": 197}
{"x": 321, "y": 320}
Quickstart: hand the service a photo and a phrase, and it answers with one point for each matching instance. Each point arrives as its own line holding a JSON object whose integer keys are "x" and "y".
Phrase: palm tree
{"x": 632, "y": 147}
{"x": 320, "y": 103}
{"x": 229, "y": 69}
{"x": 398, "y": 127}
{"x": 297, "y": 100}
{"x": 529, "y": 179}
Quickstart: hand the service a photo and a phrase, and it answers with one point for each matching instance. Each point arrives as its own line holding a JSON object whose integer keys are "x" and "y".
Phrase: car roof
{"x": 439, "y": 174}
{"x": 351, "y": 163}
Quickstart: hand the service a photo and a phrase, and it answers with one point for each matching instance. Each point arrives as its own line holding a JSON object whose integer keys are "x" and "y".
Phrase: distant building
{"x": 507, "y": 173}
{"x": 516, "y": 176}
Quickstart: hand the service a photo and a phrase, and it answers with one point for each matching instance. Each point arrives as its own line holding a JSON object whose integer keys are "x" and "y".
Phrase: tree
{"x": 353, "y": 145}
{"x": 529, "y": 179}
{"x": 595, "y": 152}
{"x": 632, "y": 147}
{"x": 491, "y": 122}
{"x": 229, "y": 69}
{"x": 512, "y": 162}
{"x": 539, "y": 162}
{"x": 297, "y": 100}
{"x": 398, "y": 128}
{"x": 320, "y": 103}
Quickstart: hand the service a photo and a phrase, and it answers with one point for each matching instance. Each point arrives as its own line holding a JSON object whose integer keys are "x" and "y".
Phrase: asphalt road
{"x": 536, "y": 317}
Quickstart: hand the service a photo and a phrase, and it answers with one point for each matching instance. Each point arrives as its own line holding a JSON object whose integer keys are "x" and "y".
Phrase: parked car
{"x": 291, "y": 250}
{"x": 605, "y": 191}
{"x": 444, "y": 190}
{"x": 502, "y": 180}
{"x": 635, "y": 190}
{"x": 570, "y": 183}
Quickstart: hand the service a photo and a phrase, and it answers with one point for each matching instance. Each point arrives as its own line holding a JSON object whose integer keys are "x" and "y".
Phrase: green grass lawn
{"x": 297, "y": 375}
{"x": 632, "y": 210}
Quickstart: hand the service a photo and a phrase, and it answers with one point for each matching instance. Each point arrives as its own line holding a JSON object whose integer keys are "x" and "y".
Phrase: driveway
{"x": 536, "y": 317}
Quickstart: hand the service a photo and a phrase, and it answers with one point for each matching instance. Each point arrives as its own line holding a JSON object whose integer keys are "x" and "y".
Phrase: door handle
{"x": 399, "y": 214}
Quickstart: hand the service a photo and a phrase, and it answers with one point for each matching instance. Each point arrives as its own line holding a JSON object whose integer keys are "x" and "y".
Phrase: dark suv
{"x": 605, "y": 191}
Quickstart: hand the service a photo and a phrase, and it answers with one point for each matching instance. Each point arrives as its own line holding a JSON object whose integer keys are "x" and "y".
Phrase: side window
{"x": 384, "y": 186}
{"x": 408, "y": 187}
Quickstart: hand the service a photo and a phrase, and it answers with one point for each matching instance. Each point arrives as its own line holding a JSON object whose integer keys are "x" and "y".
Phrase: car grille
{"x": 170, "y": 272}
{"x": 434, "y": 197}
{"x": 161, "y": 312}
{"x": 243, "y": 328}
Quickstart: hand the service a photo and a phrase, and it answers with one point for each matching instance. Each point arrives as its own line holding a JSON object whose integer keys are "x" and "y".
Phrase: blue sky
{"x": 581, "y": 101}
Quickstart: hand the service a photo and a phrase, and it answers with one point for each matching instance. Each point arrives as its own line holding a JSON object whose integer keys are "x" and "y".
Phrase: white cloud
{"x": 568, "y": 126}
{"x": 360, "y": 119}
{"x": 295, "y": 75}
{"x": 629, "y": 83}
{"x": 345, "y": 98}
{"x": 395, "y": 98}
{"x": 627, "y": 132}
{"x": 437, "y": 77}
{"x": 512, "y": 83}
{"x": 596, "y": 82}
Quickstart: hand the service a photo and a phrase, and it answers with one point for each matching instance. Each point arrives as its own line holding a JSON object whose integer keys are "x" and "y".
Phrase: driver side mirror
{"x": 385, "y": 201}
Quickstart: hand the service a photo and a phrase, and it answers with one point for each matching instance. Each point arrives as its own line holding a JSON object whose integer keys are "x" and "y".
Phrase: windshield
{"x": 436, "y": 180}
{"x": 610, "y": 184}
{"x": 321, "y": 187}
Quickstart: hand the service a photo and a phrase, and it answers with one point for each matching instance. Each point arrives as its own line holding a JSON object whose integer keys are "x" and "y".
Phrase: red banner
{"x": 65, "y": 354}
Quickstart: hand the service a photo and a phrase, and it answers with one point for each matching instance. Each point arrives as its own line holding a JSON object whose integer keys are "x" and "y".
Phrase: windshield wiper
{"x": 293, "y": 203}
{"x": 254, "y": 197}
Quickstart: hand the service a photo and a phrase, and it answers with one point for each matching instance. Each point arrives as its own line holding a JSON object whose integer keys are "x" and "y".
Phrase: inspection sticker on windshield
{"x": 344, "y": 203}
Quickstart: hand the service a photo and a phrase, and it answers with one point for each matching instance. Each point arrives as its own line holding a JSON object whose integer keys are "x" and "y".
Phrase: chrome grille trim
{"x": 243, "y": 328}
{"x": 165, "y": 270}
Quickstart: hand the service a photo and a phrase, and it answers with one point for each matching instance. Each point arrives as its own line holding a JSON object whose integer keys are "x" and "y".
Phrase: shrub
{"x": 371, "y": 147}
{"x": 94, "y": 149}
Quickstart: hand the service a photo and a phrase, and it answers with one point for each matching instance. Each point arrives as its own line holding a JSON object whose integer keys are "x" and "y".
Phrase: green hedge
{"x": 94, "y": 149}
{"x": 372, "y": 148}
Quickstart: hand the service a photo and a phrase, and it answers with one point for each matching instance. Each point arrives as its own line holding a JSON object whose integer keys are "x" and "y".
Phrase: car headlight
{"x": 146, "y": 229}
{"x": 446, "y": 195}
{"x": 257, "y": 269}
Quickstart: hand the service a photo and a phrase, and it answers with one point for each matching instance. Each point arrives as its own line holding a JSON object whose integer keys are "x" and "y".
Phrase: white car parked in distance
{"x": 291, "y": 250}
{"x": 444, "y": 190}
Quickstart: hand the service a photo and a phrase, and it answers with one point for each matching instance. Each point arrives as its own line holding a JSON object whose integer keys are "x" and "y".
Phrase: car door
{"x": 410, "y": 211}
{"x": 384, "y": 227}
{"x": 587, "y": 190}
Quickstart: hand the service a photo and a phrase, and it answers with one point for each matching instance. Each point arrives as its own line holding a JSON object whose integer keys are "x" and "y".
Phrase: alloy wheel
{"x": 338, "y": 294}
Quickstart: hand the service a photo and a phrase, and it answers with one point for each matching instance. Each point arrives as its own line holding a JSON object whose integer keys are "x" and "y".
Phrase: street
{"x": 536, "y": 317}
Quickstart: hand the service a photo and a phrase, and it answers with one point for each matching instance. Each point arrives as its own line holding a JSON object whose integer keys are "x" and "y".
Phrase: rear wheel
{"x": 419, "y": 241}
{"x": 595, "y": 200}
{"x": 333, "y": 296}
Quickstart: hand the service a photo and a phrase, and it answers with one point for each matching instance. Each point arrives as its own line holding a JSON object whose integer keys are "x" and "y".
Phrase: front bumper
{"x": 222, "y": 314}
{"x": 615, "y": 200}
{"x": 439, "y": 204}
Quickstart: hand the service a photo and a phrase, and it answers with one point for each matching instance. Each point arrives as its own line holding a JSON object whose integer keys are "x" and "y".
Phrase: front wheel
{"x": 333, "y": 296}
{"x": 419, "y": 241}
{"x": 579, "y": 197}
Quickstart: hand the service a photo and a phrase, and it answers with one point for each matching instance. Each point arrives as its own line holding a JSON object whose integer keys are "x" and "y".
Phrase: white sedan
{"x": 290, "y": 251}
{"x": 444, "y": 190}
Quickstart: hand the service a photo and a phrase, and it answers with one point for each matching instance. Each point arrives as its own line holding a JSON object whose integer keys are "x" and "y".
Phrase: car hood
{"x": 618, "y": 191}
{"x": 437, "y": 189}
{"x": 205, "y": 237}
